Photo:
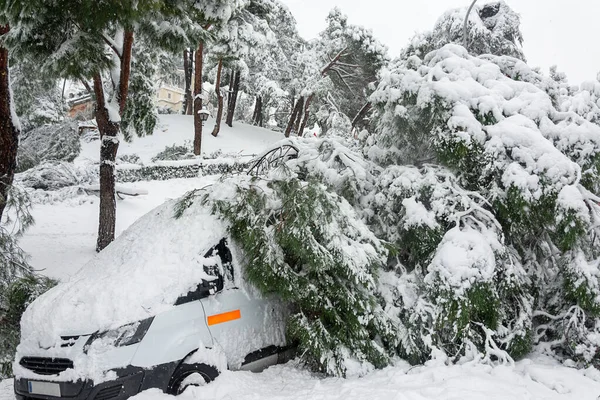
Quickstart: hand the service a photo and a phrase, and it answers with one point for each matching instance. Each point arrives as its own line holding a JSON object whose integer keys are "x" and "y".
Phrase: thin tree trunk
{"x": 108, "y": 154}
{"x": 361, "y": 114}
{"x": 198, "y": 99}
{"x": 260, "y": 113}
{"x": 109, "y": 144}
{"x": 299, "y": 115}
{"x": 306, "y": 114}
{"x": 230, "y": 91}
{"x": 230, "y": 97}
{"x": 217, "y": 127}
{"x": 9, "y": 129}
{"x": 255, "y": 113}
{"x": 257, "y": 116}
{"x": 125, "y": 70}
{"x": 187, "y": 71}
{"x": 233, "y": 100}
{"x": 295, "y": 112}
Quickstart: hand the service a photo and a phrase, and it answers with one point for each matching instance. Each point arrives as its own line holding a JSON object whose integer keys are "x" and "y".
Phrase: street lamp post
{"x": 203, "y": 115}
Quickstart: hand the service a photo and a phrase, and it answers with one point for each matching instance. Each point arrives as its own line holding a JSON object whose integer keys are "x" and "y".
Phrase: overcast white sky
{"x": 561, "y": 32}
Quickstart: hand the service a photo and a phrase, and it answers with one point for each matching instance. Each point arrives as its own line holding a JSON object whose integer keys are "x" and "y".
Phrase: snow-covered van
{"x": 164, "y": 306}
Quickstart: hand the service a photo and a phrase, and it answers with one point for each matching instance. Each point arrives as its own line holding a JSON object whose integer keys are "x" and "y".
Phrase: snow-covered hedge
{"x": 164, "y": 171}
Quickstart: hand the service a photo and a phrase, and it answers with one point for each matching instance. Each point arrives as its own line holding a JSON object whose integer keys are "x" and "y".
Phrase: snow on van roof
{"x": 139, "y": 275}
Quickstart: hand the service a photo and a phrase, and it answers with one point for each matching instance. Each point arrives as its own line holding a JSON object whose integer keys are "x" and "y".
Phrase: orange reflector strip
{"x": 225, "y": 317}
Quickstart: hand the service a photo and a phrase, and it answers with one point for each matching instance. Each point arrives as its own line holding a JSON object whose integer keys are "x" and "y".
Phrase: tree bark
{"x": 361, "y": 115}
{"x": 257, "y": 116}
{"x": 125, "y": 70}
{"x": 230, "y": 91}
{"x": 187, "y": 70}
{"x": 300, "y": 106}
{"x": 217, "y": 127}
{"x": 295, "y": 112}
{"x": 306, "y": 114}
{"x": 9, "y": 129}
{"x": 109, "y": 144}
{"x": 198, "y": 99}
{"x": 233, "y": 99}
{"x": 260, "y": 113}
{"x": 230, "y": 96}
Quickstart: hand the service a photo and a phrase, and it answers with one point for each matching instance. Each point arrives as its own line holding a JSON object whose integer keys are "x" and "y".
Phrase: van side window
{"x": 221, "y": 249}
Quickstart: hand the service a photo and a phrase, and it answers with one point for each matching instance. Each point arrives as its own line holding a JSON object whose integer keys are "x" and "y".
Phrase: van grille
{"x": 46, "y": 366}
{"x": 109, "y": 392}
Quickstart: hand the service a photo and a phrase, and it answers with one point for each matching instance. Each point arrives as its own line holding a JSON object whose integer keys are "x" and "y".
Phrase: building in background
{"x": 171, "y": 93}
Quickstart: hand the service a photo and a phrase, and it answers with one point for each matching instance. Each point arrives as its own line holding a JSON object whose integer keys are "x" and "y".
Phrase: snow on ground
{"x": 527, "y": 380}
{"x": 64, "y": 235}
{"x": 544, "y": 379}
{"x": 179, "y": 129}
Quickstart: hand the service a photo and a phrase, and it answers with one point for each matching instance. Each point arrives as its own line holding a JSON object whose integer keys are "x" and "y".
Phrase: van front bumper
{"x": 130, "y": 381}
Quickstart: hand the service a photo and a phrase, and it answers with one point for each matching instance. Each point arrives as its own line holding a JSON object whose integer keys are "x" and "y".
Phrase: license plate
{"x": 45, "y": 388}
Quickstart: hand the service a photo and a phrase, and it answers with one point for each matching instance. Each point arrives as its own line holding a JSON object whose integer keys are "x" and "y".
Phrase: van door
{"x": 241, "y": 321}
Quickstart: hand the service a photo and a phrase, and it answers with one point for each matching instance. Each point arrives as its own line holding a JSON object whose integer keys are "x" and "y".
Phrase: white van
{"x": 165, "y": 306}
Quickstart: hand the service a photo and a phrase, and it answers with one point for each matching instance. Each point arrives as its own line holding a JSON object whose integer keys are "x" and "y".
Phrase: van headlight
{"x": 125, "y": 335}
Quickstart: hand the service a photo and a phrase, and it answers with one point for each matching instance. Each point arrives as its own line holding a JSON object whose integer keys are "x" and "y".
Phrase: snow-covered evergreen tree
{"x": 492, "y": 28}
{"x": 523, "y": 223}
{"x": 332, "y": 75}
{"x": 141, "y": 115}
{"x": 37, "y": 98}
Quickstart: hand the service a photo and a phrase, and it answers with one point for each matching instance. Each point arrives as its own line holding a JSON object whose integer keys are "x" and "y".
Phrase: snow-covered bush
{"x": 129, "y": 159}
{"x": 59, "y": 142}
{"x": 175, "y": 152}
{"x": 513, "y": 200}
{"x": 14, "y": 299}
{"x": 53, "y": 175}
{"x": 308, "y": 245}
{"x": 18, "y": 284}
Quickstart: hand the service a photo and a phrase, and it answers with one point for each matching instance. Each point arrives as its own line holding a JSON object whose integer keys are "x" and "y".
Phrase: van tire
{"x": 207, "y": 372}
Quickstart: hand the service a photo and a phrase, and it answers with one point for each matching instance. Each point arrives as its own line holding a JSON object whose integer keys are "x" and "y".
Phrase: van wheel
{"x": 187, "y": 375}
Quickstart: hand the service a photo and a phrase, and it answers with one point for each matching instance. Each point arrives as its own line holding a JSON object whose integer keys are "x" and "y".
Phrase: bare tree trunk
{"x": 125, "y": 70}
{"x": 230, "y": 97}
{"x": 233, "y": 99}
{"x": 230, "y": 90}
{"x": 9, "y": 130}
{"x": 257, "y": 116}
{"x": 306, "y": 114}
{"x": 361, "y": 114}
{"x": 187, "y": 70}
{"x": 109, "y": 144}
{"x": 295, "y": 112}
{"x": 198, "y": 99}
{"x": 300, "y": 106}
{"x": 260, "y": 113}
{"x": 108, "y": 154}
{"x": 256, "y": 108}
{"x": 217, "y": 127}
